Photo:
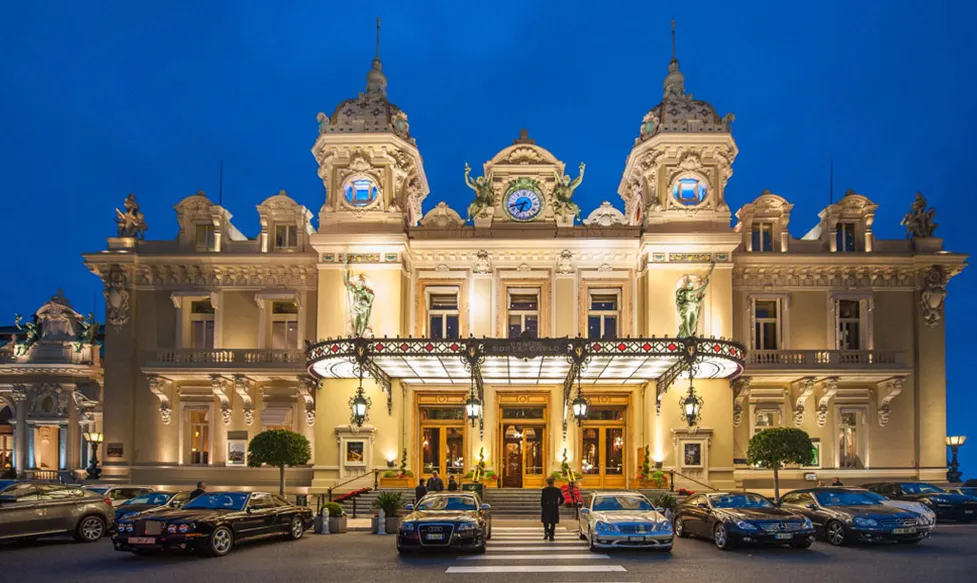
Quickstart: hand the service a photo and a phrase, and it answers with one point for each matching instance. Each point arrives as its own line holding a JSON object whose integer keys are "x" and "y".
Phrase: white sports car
{"x": 624, "y": 520}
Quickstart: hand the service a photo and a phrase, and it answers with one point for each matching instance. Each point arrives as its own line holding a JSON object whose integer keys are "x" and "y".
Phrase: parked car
{"x": 624, "y": 520}
{"x": 213, "y": 523}
{"x": 31, "y": 509}
{"x": 965, "y": 490}
{"x": 946, "y": 505}
{"x": 151, "y": 501}
{"x": 118, "y": 494}
{"x": 849, "y": 515}
{"x": 927, "y": 516}
{"x": 731, "y": 518}
{"x": 446, "y": 520}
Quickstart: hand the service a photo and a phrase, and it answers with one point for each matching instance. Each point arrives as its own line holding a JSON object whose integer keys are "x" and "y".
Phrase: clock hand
{"x": 522, "y": 205}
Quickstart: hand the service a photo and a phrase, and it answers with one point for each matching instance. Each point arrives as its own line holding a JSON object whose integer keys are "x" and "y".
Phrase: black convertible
{"x": 731, "y": 518}
{"x": 213, "y": 523}
{"x": 446, "y": 520}
{"x": 946, "y": 505}
{"x": 846, "y": 515}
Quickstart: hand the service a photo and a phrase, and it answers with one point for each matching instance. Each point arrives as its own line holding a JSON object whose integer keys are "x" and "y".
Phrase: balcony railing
{"x": 228, "y": 357}
{"x": 803, "y": 359}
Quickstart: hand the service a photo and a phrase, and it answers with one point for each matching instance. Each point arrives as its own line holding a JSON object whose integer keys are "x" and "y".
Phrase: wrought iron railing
{"x": 825, "y": 358}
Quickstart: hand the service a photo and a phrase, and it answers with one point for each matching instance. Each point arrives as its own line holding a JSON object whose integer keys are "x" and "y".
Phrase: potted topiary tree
{"x": 337, "y": 518}
{"x": 402, "y": 478}
{"x": 777, "y": 447}
{"x": 390, "y": 503}
{"x": 279, "y": 448}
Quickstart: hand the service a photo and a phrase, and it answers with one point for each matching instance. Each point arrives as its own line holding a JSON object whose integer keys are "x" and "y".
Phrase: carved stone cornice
{"x": 263, "y": 272}
{"x": 806, "y": 390}
{"x": 158, "y": 386}
{"x": 888, "y": 390}
{"x": 217, "y": 385}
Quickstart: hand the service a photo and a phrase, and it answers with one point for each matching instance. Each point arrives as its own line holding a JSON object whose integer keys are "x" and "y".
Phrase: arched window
{"x": 6, "y": 438}
{"x": 361, "y": 192}
{"x": 690, "y": 191}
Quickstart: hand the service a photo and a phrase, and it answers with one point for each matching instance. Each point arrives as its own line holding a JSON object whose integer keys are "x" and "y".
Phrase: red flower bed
{"x": 571, "y": 496}
{"x": 348, "y": 495}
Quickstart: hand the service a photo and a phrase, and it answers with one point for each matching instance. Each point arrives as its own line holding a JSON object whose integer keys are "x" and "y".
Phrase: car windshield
{"x": 615, "y": 503}
{"x": 4, "y": 484}
{"x": 97, "y": 489}
{"x": 874, "y": 496}
{"x": 447, "y": 503}
{"x": 845, "y": 498}
{"x": 916, "y": 488}
{"x": 967, "y": 491}
{"x": 739, "y": 501}
{"x": 157, "y": 499}
{"x": 218, "y": 501}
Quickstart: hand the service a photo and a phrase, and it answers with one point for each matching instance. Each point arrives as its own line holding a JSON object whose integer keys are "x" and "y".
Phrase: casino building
{"x": 685, "y": 327}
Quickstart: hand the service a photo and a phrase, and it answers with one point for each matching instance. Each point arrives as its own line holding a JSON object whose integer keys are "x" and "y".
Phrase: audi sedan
{"x": 213, "y": 523}
{"x": 446, "y": 521}
{"x": 946, "y": 505}
{"x": 850, "y": 515}
{"x": 733, "y": 518}
{"x": 624, "y": 520}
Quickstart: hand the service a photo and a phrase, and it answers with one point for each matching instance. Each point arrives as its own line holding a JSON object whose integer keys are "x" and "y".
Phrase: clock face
{"x": 523, "y": 204}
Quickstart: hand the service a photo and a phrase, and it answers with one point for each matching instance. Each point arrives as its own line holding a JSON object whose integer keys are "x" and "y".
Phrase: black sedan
{"x": 946, "y": 505}
{"x": 213, "y": 523}
{"x": 847, "y": 515}
{"x": 151, "y": 501}
{"x": 731, "y": 518}
{"x": 446, "y": 520}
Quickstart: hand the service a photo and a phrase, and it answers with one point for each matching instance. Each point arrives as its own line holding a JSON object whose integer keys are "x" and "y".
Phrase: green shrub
{"x": 390, "y": 503}
{"x": 334, "y": 509}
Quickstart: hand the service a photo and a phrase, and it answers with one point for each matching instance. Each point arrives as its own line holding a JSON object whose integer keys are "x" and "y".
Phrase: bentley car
{"x": 848, "y": 515}
{"x": 151, "y": 501}
{"x": 732, "y": 518}
{"x": 946, "y": 505}
{"x": 446, "y": 520}
{"x": 213, "y": 523}
{"x": 624, "y": 520}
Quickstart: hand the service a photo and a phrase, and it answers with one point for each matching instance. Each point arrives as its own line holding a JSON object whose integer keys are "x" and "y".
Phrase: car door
{"x": 803, "y": 503}
{"x": 284, "y": 512}
{"x": 693, "y": 515}
{"x": 259, "y": 516}
{"x": 58, "y": 507}
{"x": 18, "y": 511}
{"x": 583, "y": 518}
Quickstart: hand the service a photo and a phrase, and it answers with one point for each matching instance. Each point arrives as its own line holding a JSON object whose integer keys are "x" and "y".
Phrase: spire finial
{"x": 376, "y": 82}
{"x": 378, "y": 38}
{"x": 673, "y": 40}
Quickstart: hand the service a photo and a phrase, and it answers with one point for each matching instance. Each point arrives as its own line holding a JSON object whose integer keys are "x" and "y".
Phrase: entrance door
{"x": 602, "y": 447}
{"x": 522, "y": 455}
{"x": 443, "y": 449}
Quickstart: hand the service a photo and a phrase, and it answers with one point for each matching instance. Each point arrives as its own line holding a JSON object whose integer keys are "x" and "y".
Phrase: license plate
{"x": 903, "y": 531}
{"x": 142, "y": 540}
{"x": 434, "y": 537}
{"x": 968, "y": 511}
{"x": 783, "y": 536}
{"x": 636, "y": 539}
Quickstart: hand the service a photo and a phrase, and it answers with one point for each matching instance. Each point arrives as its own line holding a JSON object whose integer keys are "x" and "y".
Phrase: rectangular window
{"x": 523, "y": 313}
{"x": 201, "y": 325}
{"x": 199, "y": 425}
{"x": 443, "y": 314}
{"x": 766, "y": 332}
{"x": 284, "y": 325}
{"x": 765, "y": 419}
{"x": 763, "y": 237}
{"x": 845, "y": 237}
{"x": 603, "y": 315}
{"x": 849, "y": 325}
{"x": 286, "y": 237}
{"x": 848, "y": 446}
{"x": 204, "y": 238}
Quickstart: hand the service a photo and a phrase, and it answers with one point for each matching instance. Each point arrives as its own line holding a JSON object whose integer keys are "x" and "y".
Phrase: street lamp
{"x": 359, "y": 406}
{"x": 954, "y": 442}
{"x": 473, "y": 408}
{"x": 94, "y": 438}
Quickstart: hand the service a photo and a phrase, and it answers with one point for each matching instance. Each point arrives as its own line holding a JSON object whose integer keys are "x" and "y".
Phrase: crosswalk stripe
{"x": 528, "y": 541}
{"x": 538, "y": 569}
{"x": 537, "y": 548}
{"x": 536, "y": 557}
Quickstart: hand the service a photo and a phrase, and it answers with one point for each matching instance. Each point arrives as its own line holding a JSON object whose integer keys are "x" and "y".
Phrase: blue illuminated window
{"x": 361, "y": 192}
{"x": 689, "y": 191}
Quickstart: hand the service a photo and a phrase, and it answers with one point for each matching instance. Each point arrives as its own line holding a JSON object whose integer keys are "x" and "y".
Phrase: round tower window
{"x": 361, "y": 192}
{"x": 689, "y": 191}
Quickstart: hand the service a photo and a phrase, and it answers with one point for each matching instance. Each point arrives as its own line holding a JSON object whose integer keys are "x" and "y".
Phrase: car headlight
{"x": 606, "y": 527}
{"x": 183, "y": 528}
{"x": 865, "y": 521}
{"x": 665, "y": 526}
{"x": 171, "y": 528}
{"x": 125, "y": 527}
{"x": 807, "y": 524}
{"x": 940, "y": 500}
{"x": 466, "y": 526}
{"x": 407, "y": 526}
{"x": 744, "y": 525}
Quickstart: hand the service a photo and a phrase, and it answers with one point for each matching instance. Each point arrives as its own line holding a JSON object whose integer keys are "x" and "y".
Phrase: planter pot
{"x": 391, "y": 525}
{"x": 652, "y": 484}
{"x": 337, "y": 525}
{"x": 397, "y": 482}
{"x": 493, "y": 483}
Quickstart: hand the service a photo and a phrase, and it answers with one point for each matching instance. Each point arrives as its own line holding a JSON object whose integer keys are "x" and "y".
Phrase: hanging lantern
{"x": 473, "y": 408}
{"x": 359, "y": 407}
{"x": 580, "y": 404}
{"x": 691, "y": 406}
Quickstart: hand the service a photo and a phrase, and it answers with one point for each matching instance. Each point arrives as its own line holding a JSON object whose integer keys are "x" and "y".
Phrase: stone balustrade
{"x": 827, "y": 359}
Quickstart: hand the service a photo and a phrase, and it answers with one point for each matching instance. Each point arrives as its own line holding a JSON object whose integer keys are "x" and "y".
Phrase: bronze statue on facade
{"x": 130, "y": 223}
{"x": 919, "y": 221}
{"x": 32, "y": 337}
{"x": 484, "y": 197}
{"x": 688, "y": 300}
{"x": 360, "y": 301}
{"x": 563, "y": 193}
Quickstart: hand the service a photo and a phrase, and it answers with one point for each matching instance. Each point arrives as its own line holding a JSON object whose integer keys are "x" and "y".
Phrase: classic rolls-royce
{"x": 213, "y": 523}
{"x": 446, "y": 520}
{"x": 731, "y": 518}
{"x": 624, "y": 520}
{"x": 847, "y": 515}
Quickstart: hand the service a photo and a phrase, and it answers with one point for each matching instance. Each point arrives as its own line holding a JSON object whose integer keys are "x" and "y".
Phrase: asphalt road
{"x": 363, "y": 558}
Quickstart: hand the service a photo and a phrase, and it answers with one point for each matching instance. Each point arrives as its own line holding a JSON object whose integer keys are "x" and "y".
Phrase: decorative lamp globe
{"x": 360, "y": 405}
{"x": 579, "y": 406}
{"x": 692, "y": 406}
{"x": 473, "y": 408}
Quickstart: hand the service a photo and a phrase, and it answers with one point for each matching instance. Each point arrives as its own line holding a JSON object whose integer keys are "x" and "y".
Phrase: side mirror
{"x": 585, "y": 511}
{"x": 703, "y": 505}
{"x": 409, "y": 507}
{"x": 250, "y": 509}
{"x": 486, "y": 507}
{"x": 660, "y": 510}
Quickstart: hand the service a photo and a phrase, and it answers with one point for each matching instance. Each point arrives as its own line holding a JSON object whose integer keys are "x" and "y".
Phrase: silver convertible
{"x": 624, "y": 520}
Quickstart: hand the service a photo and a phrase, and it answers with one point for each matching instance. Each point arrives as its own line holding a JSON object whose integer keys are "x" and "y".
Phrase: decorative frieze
{"x": 933, "y": 296}
{"x": 307, "y": 391}
{"x": 741, "y": 392}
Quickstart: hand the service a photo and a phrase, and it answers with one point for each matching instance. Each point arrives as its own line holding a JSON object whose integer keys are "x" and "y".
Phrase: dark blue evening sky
{"x": 100, "y": 99}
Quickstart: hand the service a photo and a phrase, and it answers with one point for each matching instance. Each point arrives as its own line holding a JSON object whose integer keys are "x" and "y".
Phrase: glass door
{"x": 443, "y": 442}
{"x": 522, "y": 455}
{"x": 512, "y": 457}
{"x": 602, "y": 447}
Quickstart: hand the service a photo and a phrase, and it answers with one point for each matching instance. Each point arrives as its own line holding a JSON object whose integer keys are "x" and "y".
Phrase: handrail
{"x": 376, "y": 482}
{"x": 672, "y": 481}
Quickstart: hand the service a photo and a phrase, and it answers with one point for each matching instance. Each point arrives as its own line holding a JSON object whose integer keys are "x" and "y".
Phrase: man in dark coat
{"x": 434, "y": 483}
{"x": 420, "y": 491}
{"x": 201, "y": 489}
{"x": 550, "y": 500}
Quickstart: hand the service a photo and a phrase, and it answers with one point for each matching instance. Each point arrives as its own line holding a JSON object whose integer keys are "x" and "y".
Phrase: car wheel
{"x": 590, "y": 541}
{"x": 221, "y": 541}
{"x": 488, "y": 535}
{"x": 480, "y": 548}
{"x": 90, "y": 529}
{"x": 679, "y": 529}
{"x": 721, "y": 537}
{"x": 800, "y": 544}
{"x": 296, "y": 529}
{"x": 834, "y": 533}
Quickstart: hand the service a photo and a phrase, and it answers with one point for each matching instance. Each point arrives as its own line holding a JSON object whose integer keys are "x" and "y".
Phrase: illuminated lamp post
{"x": 94, "y": 438}
{"x": 954, "y": 442}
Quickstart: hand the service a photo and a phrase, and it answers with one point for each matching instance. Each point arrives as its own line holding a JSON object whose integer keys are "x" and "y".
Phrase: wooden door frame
{"x": 439, "y": 399}
{"x": 524, "y": 398}
{"x": 607, "y": 399}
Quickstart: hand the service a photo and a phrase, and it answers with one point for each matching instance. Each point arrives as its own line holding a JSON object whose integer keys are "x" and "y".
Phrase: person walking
{"x": 550, "y": 500}
{"x": 201, "y": 489}
{"x": 452, "y": 484}
{"x": 420, "y": 491}
{"x": 434, "y": 484}
{"x": 837, "y": 482}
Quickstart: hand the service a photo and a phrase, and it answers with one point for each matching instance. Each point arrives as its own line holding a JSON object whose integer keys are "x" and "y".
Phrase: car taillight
{"x": 107, "y": 501}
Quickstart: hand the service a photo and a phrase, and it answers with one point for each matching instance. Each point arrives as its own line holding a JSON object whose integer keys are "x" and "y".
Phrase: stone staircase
{"x": 364, "y": 502}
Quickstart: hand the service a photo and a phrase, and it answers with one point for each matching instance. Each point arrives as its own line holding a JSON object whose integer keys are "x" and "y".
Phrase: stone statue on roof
{"x": 484, "y": 197}
{"x": 563, "y": 193}
{"x": 361, "y": 297}
{"x": 919, "y": 221}
{"x": 32, "y": 337}
{"x": 130, "y": 223}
